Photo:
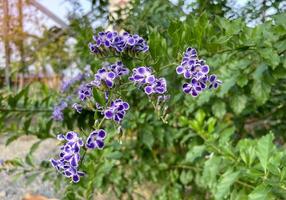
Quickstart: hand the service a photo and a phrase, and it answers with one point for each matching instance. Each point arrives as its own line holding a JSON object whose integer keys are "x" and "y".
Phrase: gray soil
{"x": 14, "y": 187}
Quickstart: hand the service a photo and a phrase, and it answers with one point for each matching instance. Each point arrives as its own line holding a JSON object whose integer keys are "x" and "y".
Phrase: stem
{"x": 24, "y": 110}
{"x": 83, "y": 156}
{"x": 101, "y": 121}
{"x": 169, "y": 65}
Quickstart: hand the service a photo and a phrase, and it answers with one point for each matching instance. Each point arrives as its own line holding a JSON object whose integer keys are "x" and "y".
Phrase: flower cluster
{"x": 143, "y": 77}
{"x": 109, "y": 74}
{"x": 114, "y": 41}
{"x": 69, "y": 157}
{"x": 58, "y": 111}
{"x": 96, "y": 139}
{"x": 197, "y": 71}
{"x": 116, "y": 111}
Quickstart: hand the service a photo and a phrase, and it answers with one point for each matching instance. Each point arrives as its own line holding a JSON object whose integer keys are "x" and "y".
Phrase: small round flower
{"x": 159, "y": 86}
{"x": 214, "y": 82}
{"x": 117, "y": 110}
{"x": 142, "y": 75}
{"x": 96, "y": 139}
{"x": 188, "y": 88}
{"x": 85, "y": 92}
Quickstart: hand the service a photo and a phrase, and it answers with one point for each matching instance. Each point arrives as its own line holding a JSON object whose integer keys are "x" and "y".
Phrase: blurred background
{"x": 44, "y": 43}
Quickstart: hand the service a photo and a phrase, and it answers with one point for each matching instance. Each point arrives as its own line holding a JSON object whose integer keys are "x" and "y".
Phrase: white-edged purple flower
{"x": 116, "y": 111}
{"x": 109, "y": 74}
{"x": 214, "y": 82}
{"x": 143, "y": 77}
{"x": 85, "y": 92}
{"x": 159, "y": 86}
{"x": 77, "y": 107}
{"x": 96, "y": 139}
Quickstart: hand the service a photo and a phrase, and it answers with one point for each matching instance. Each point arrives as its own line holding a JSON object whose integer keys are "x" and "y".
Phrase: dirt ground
{"x": 13, "y": 188}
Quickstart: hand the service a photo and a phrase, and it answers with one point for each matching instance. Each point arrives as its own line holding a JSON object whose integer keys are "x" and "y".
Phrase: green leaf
{"x": 35, "y": 146}
{"x": 29, "y": 160}
{"x": 218, "y": 109}
{"x": 264, "y": 149}
{"x": 116, "y": 155}
{"x": 98, "y": 97}
{"x": 226, "y": 86}
{"x": 13, "y": 137}
{"x": 211, "y": 170}
{"x": 238, "y": 103}
{"x": 200, "y": 116}
{"x": 242, "y": 80}
{"x": 223, "y": 187}
{"x": 148, "y": 139}
{"x": 261, "y": 91}
{"x": 194, "y": 153}
{"x": 261, "y": 192}
{"x": 270, "y": 56}
{"x": 158, "y": 48}
{"x": 186, "y": 177}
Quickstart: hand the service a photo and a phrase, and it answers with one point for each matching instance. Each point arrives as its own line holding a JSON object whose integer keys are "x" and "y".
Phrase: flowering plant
{"x": 109, "y": 78}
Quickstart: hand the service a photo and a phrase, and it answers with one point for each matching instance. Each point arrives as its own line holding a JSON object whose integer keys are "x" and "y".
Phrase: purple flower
{"x": 77, "y": 107}
{"x": 119, "y": 42}
{"x": 117, "y": 110}
{"x": 143, "y": 77}
{"x": 159, "y": 86}
{"x": 195, "y": 69}
{"x": 85, "y": 92}
{"x": 109, "y": 74}
{"x": 214, "y": 82}
{"x": 69, "y": 156}
{"x": 96, "y": 139}
{"x": 57, "y": 114}
{"x": 67, "y": 170}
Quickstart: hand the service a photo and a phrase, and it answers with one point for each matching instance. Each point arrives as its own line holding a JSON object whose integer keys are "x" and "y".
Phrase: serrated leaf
{"x": 261, "y": 192}
{"x": 211, "y": 170}
{"x": 261, "y": 91}
{"x": 194, "y": 153}
{"x": 223, "y": 187}
{"x": 218, "y": 109}
{"x": 270, "y": 56}
{"x": 264, "y": 149}
{"x": 238, "y": 103}
{"x": 227, "y": 85}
